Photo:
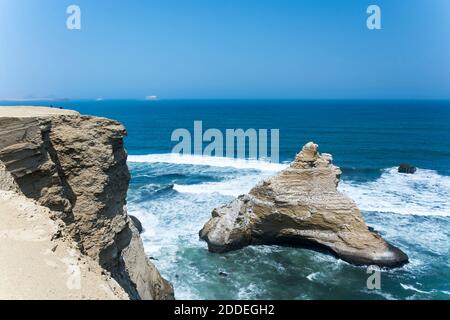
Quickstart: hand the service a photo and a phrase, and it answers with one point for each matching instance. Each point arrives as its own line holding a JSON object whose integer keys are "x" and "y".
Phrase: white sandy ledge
{"x": 31, "y": 111}
{"x": 33, "y": 266}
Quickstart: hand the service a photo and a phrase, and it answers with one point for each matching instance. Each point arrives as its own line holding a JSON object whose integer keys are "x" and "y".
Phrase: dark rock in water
{"x": 137, "y": 223}
{"x": 406, "y": 168}
{"x": 223, "y": 274}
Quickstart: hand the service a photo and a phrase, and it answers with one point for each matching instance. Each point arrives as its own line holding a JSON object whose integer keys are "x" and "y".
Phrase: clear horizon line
{"x": 219, "y": 99}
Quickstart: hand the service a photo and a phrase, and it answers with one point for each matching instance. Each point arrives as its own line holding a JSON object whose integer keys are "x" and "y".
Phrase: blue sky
{"x": 225, "y": 49}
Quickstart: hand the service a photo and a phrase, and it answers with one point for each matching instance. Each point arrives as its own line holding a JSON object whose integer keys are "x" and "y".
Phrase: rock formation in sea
{"x": 301, "y": 206}
{"x": 407, "y": 168}
{"x": 76, "y": 166}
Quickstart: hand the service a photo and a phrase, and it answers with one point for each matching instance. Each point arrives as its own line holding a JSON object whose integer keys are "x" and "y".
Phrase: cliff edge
{"x": 75, "y": 165}
{"x": 301, "y": 206}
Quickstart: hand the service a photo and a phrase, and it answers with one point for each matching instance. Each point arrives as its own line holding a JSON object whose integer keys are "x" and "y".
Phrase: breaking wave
{"x": 174, "y": 158}
{"x": 424, "y": 193}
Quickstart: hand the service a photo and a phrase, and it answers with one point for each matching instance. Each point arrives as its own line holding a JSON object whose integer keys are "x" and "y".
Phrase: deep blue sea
{"x": 174, "y": 196}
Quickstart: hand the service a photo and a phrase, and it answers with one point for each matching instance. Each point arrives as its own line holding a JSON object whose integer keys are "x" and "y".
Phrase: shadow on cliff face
{"x": 36, "y": 169}
{"x": 67, "y": 191}
{"x": 110, "y": 259}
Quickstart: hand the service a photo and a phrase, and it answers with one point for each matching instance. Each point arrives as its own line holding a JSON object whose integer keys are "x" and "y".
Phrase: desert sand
{"x": 35, "y": 265}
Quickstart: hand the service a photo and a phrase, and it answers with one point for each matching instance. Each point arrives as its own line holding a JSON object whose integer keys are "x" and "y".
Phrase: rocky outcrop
{"x": 137, "y": 223}
{"x": 301, "y": 206}
{"x": 76, "y": 165}
{"x": 407, "y": 168}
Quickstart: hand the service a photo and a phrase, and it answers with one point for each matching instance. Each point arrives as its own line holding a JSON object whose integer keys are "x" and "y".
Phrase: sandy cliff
{"x": 76, "y": 166}
{"x": 301, "y": 206}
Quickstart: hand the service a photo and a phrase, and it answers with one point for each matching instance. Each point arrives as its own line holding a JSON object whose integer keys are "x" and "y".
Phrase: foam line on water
{"x": 424, "y": 193}
{"x": 233, "y": 188}
{"x": 409, "y": 287}
{"x": 174, "y": 158}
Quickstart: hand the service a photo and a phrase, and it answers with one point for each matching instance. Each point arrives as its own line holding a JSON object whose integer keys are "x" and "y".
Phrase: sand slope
{"x": 33, "y": 266}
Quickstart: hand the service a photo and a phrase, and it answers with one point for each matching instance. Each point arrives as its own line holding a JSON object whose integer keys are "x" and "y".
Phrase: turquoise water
{"x": 173, "y": 197}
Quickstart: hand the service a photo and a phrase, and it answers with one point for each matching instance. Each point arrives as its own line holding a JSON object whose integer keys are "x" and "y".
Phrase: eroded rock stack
{"x": 76, "y": 166}
{"x": 301, "y": 206}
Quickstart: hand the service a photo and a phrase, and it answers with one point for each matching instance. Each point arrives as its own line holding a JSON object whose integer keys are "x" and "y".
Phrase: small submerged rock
{"x": 301, "y": 206}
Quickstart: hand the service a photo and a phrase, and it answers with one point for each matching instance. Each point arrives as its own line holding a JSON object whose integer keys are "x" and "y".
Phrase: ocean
{"x": 173, "y": 196}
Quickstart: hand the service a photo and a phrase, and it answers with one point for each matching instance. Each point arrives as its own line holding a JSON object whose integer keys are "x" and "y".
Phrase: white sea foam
{"x": 411, "y": 288}
{"x": 167, "y": 223}
{"x": 313, "y": 276}
{"x": 424, "y": 193}
{"x": 208, "y": 161}
{"x": 249, "y": 292}
{"x": 233, "y": 188}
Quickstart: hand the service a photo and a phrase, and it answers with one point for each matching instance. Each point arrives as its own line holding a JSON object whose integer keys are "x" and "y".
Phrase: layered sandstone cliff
{"x": 301, "y": 206}
{"x": 76, "y": 166}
